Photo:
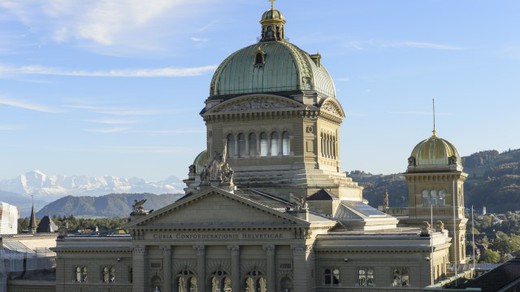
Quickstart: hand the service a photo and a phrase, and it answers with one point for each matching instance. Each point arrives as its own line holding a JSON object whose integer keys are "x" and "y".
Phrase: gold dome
{"x": 434, "y": 154}
{"x": 272, "y": 14}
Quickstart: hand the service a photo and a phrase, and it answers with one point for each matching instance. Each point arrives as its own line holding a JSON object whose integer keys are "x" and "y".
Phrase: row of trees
{"x": 496, "y": 236}
{"x": 73, "y": 224}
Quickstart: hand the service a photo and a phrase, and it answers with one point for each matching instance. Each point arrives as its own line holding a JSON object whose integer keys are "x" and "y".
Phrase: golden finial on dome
{"x": 272, "y": 4}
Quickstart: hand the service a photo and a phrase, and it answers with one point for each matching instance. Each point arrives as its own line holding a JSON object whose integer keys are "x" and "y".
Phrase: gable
{"x": 332, "y": 106}
{"x": 217, "y": 209}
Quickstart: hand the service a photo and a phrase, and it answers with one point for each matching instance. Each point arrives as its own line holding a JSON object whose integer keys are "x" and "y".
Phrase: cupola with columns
{"x": 435, "y": 181}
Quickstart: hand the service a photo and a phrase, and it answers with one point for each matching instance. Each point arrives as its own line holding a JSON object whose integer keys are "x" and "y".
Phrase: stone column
{"x": 201, "y": 267}
{"x": 235, "y": 266}
{"x": 271, "y": 268}
{"x": 138, "y": 268}
{"x": 300, "y": 281}
{"x": 167, "y": 268}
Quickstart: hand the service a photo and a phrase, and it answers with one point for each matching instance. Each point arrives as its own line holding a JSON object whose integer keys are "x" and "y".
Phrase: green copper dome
{"x": 271, "y": 66}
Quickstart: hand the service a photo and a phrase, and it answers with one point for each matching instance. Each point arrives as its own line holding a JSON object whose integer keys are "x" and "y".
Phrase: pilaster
{"x": 271, "y": 273}
{"x": 138, "y": 265}
{"x": 201, "y": 267}
{"x": 300, "y": 280}
{"x": 235, "y": 266}
{"x": 167, "y": 268}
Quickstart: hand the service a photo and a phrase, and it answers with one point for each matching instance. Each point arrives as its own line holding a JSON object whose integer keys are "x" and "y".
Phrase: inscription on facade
{"x": 218, "y": 236}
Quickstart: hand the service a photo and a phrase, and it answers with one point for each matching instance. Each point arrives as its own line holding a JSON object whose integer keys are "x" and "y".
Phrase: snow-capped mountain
{"x": 50, "y": 187}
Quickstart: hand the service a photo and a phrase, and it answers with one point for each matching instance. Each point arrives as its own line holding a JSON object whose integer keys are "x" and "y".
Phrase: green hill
{"x": 493, "y": 181}
{"x": 112, "y": 205}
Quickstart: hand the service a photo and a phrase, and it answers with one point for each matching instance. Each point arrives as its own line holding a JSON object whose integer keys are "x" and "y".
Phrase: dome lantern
{"x": 272, "y": 25}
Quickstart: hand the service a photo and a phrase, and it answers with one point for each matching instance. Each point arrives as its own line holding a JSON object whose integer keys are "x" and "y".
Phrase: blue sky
{"x": 115, "y": 87}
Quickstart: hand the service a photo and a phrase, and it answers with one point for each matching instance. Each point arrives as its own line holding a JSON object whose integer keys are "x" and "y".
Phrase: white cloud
{"x": 8, "y": 128}
{"x": 199, "y": 40}
{"x": 420, "y": 113}
{"x": 421, "y": 45}
{"x": 108, "y": 23}
{"x": 112, "y": 121}
{"x": 174, "y": 132}
{"x": 27, "y": 105}
{"x": 133, "y": 73}
{"x": 365, "y": 44}
{"x": 108, "y": 130}
{"x": 121, "y": 111}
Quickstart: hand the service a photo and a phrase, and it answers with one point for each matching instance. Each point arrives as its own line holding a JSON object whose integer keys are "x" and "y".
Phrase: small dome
{"x": 272, "y": 14}
{"x": 200, "y": 161}
{"x": 434, "y": 154}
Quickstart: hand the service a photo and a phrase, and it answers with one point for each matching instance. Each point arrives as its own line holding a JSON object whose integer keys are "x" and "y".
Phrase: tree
{"x": 490, "y": 256}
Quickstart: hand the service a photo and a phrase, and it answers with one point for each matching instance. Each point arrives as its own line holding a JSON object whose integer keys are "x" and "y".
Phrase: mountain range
{"x": 109, "y": 206}
{"x": 48, "y": 188}
{"x": 493, "y": 182}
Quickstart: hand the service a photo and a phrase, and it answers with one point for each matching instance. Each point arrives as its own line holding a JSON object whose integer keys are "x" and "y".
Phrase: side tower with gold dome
{"x": 272, "y": 108}
{"x": 435, "y": 179}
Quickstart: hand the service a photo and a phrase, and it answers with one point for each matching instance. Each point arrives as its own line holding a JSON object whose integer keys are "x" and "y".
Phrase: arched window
{"x": 286, "y": 284}
{"x": 220, "y": 282}
{"x": 109, "y": 274}
{"x": 334, "y": 144}
{"x": 231, "y": 150}
{"x": 425, "y": 198}
{"x": 241, "y": 145}
{"x": 156, "y": 284}
{"x": 78, "y": 274}
{"x": 255, "y": 282}
{"x": 433, "y": 197}
{"x": 322, "y": 142}
{"x": 252, "y": 145}
{"x": 186, "y": 281}
{"x": 275, "y": 139}
{"x": 442, "y": 198}
{"x": 263, "y": 144}
{"x": 286, "y": 146}
{"x": 259, "y": 59}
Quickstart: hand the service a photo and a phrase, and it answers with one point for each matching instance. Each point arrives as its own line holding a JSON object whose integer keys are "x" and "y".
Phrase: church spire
{"x": 32, "y": 221}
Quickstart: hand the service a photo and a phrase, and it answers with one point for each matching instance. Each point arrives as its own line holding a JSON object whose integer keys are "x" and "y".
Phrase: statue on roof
{"x": 218, "y": 169}
{"x": 386, "y": 203}
{"x": 137, "y": 207}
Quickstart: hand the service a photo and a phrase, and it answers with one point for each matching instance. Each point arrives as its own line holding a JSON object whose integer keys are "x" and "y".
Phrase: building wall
{"x": 31, "y": 286}
{"x": 8, "y": 219}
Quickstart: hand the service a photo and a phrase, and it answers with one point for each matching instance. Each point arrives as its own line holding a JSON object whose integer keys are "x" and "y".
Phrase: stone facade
{"x": 267, "y": 207}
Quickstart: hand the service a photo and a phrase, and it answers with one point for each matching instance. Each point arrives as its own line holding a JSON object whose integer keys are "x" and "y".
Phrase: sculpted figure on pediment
{"x": 330, "y": 107}
{"x": 218, "y": 169}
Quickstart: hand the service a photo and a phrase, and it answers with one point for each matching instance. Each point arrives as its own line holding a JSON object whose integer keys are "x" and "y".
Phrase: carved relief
{"x": 330, "y": 107}
{"x": 247, "y": 105}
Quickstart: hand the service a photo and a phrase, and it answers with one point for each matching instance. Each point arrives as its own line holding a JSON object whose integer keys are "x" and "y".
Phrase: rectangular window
{"x": 401, "y": 277}
{"x": 331, "y": 276}
{"x": 80, "y": 274}
{"x": 366, "y": 277}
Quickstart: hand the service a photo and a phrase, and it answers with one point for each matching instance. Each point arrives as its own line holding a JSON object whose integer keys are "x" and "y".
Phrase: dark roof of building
{"x": 46, "y": 225}
{"x": 505, "y": 277}
{"x": 321, "y": 195}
